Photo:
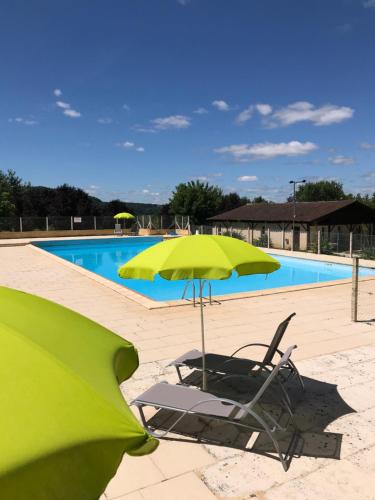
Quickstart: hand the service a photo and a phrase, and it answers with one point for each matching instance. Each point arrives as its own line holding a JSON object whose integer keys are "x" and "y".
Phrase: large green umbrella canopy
{"x": 123, "y": 215}
{"x": 64, "y": 423}
{"x": 199, "y": 257}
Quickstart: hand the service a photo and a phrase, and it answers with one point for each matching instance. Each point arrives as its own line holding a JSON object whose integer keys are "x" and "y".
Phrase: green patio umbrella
{"x": 64, "y": 423}
{"x": 123, "y": 215}
{"x": 201, "y": 257}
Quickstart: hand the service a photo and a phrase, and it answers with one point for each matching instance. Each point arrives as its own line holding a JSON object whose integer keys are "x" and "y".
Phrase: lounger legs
{"x": 260, "y": 420}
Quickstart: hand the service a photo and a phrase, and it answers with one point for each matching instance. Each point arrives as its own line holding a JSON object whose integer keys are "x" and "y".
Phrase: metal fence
{"x": 92, "y": 222}
{"x": 344, "y": 244}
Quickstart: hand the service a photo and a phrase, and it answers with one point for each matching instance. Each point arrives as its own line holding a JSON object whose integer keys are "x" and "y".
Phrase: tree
{"x": 10, "y": 193}
{"x": 320, "y": 191}
{"x": 114, "y": 207}
{"x": 197, "y": 199}
{"x": 233, "y": 200}
{"x": 259, "y": 199}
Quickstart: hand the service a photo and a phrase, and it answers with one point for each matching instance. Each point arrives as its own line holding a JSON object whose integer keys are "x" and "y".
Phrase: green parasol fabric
{"x": 123, "y": 215}
{"x": 199, "y": 257}
{"x": 65, "y": 425}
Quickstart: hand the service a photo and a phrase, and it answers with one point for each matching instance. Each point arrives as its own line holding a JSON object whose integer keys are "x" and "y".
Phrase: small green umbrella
{"x": 199, "y": 257}
{"x": 123, "y": 215}
{"x": 64, "y": 423}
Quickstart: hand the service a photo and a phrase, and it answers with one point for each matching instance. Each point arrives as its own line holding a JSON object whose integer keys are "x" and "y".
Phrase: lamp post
{"x": 294, "y": 206}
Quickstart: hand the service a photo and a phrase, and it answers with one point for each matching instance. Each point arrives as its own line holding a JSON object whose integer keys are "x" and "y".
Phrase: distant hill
{"x": 18, "y": 198}
{"x": 144, "y": 208}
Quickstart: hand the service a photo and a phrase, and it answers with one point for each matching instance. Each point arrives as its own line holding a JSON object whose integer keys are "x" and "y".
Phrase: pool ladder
{"x": 191, "y": 283}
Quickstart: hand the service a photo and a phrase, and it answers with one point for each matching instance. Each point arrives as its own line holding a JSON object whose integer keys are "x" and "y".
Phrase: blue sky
{"x": 127, "y": 98}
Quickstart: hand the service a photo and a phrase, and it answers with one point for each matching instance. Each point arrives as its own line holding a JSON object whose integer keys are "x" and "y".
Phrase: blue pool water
{"x": 105, "y": 256}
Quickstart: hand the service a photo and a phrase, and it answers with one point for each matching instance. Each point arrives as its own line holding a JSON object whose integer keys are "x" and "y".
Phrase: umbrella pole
{"x": 204, "y": 374}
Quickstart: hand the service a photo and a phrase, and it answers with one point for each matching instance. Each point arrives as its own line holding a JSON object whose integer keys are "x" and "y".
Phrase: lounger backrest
{"x": 277, "y": 339}
{"x": 283, "y": 361}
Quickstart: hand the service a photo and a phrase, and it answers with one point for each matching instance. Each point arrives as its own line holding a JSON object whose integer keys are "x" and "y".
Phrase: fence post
{"x": 355, "y": 289}
{"x": 351, "y": 244}
{"x": 95, "y": 222}
{"x": 21, "y": 224}
{"x": 47, "y": 223}
{"x": 283, "y": 237}
{"x": 292, "y": 245}
{"x": 319, "y": 241}
{"x": 161, "y": 222}
{"x": 268, "y": 238}
{"x": 252, "y": 235}
{"x": 202, "y": 230}
{"x": 248, "y": 234}
{"x": 71, "y": 222}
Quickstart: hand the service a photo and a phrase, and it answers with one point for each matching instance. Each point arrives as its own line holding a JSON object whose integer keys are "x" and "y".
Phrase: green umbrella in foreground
{"x": 199, "y": 257}
{"x": 64, "y": 423}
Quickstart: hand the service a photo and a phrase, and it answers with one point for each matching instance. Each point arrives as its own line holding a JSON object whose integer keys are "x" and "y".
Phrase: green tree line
{"x": 197, "y": 199}
{"x": 19, "y": 198}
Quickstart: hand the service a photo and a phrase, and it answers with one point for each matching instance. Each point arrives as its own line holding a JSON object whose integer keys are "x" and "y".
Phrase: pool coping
{"x": 148, "y": 303}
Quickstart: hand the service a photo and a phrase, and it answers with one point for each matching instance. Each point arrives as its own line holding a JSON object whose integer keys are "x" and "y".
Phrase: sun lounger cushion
{"x": 178, "y": 397}
{"x": 216, "y": 362}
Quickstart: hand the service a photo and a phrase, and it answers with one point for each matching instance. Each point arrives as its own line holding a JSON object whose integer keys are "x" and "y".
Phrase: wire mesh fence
{"x": 345, "y": 244}
{"x": 98, "y": 222}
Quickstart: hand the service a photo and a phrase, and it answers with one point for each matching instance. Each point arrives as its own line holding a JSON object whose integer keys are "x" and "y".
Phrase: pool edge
{"x": 148, "y": 303}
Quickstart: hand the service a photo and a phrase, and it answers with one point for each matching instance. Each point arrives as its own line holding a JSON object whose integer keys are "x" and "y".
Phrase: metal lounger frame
{"x": 272, "y": 349}
{"x": 248, "y": 409}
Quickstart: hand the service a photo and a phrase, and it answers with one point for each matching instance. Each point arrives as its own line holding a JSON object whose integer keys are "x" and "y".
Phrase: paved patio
{"x": 338, "y": 454}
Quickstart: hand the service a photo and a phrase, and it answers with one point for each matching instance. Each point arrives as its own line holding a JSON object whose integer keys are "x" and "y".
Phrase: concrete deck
{"x": 331, "y": 349}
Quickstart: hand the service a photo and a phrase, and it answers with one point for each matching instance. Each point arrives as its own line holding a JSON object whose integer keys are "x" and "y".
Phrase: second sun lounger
{"x": 233, "y": 365}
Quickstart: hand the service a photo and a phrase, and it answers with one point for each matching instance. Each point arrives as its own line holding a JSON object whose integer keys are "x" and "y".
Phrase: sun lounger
{"x": 233, "y": 365}
{"x": 118, "y": 230}
{"x": 250, "y": 416}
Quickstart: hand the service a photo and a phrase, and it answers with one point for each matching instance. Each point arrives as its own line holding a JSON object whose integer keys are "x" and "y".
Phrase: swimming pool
{"x": 104, "y": 257}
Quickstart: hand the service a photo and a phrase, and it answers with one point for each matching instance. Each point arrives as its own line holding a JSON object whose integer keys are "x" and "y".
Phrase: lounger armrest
{"x": 249, "y": 345}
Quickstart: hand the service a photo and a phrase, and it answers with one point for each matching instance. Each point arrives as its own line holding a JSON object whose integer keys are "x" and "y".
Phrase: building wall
{"x": 259, "y": 234}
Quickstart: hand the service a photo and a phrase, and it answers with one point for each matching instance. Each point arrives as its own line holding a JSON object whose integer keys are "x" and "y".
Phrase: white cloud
{"x": 221, "y": 105}
{"x": 341, "y": 160}
{"x": 145, "y": 191}
{"x": 267, "y": 150}
{"x": 105, "y": 121}
{"x": 244, "y": 116}
{"x": 367, "y": 145}
{"x": 247, "y": 178}
{"x": 72, "y": 113}
{"x": 173, "y": 121}
{"x": 126, "y": 107}
{"x": 305, "y": 111}
{"x": 141, "y": 128}
{"x": 23, "y": 121}
{"x": 92, "y": 190}
{"x": 202, "y": 178}
{"x": 183, "y": 2}
{"x": 126, "y": 144}
{"x": 62, "y": 104}
{"x": 369, "y": 3}
{"x": 131, "y": 145}
{"x": 200, "y": 111}
{"x": 67, "y": 110}
{"x": 264, "y": 109}
{"x": 57, "y": 92}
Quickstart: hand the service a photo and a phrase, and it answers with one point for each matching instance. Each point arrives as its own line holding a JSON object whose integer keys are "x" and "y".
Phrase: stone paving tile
{"x": 133, "y": 474}
{"x": 186, "y": 487}
{"x": 343, "y": 481}
{"x": 190, "y": 457}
